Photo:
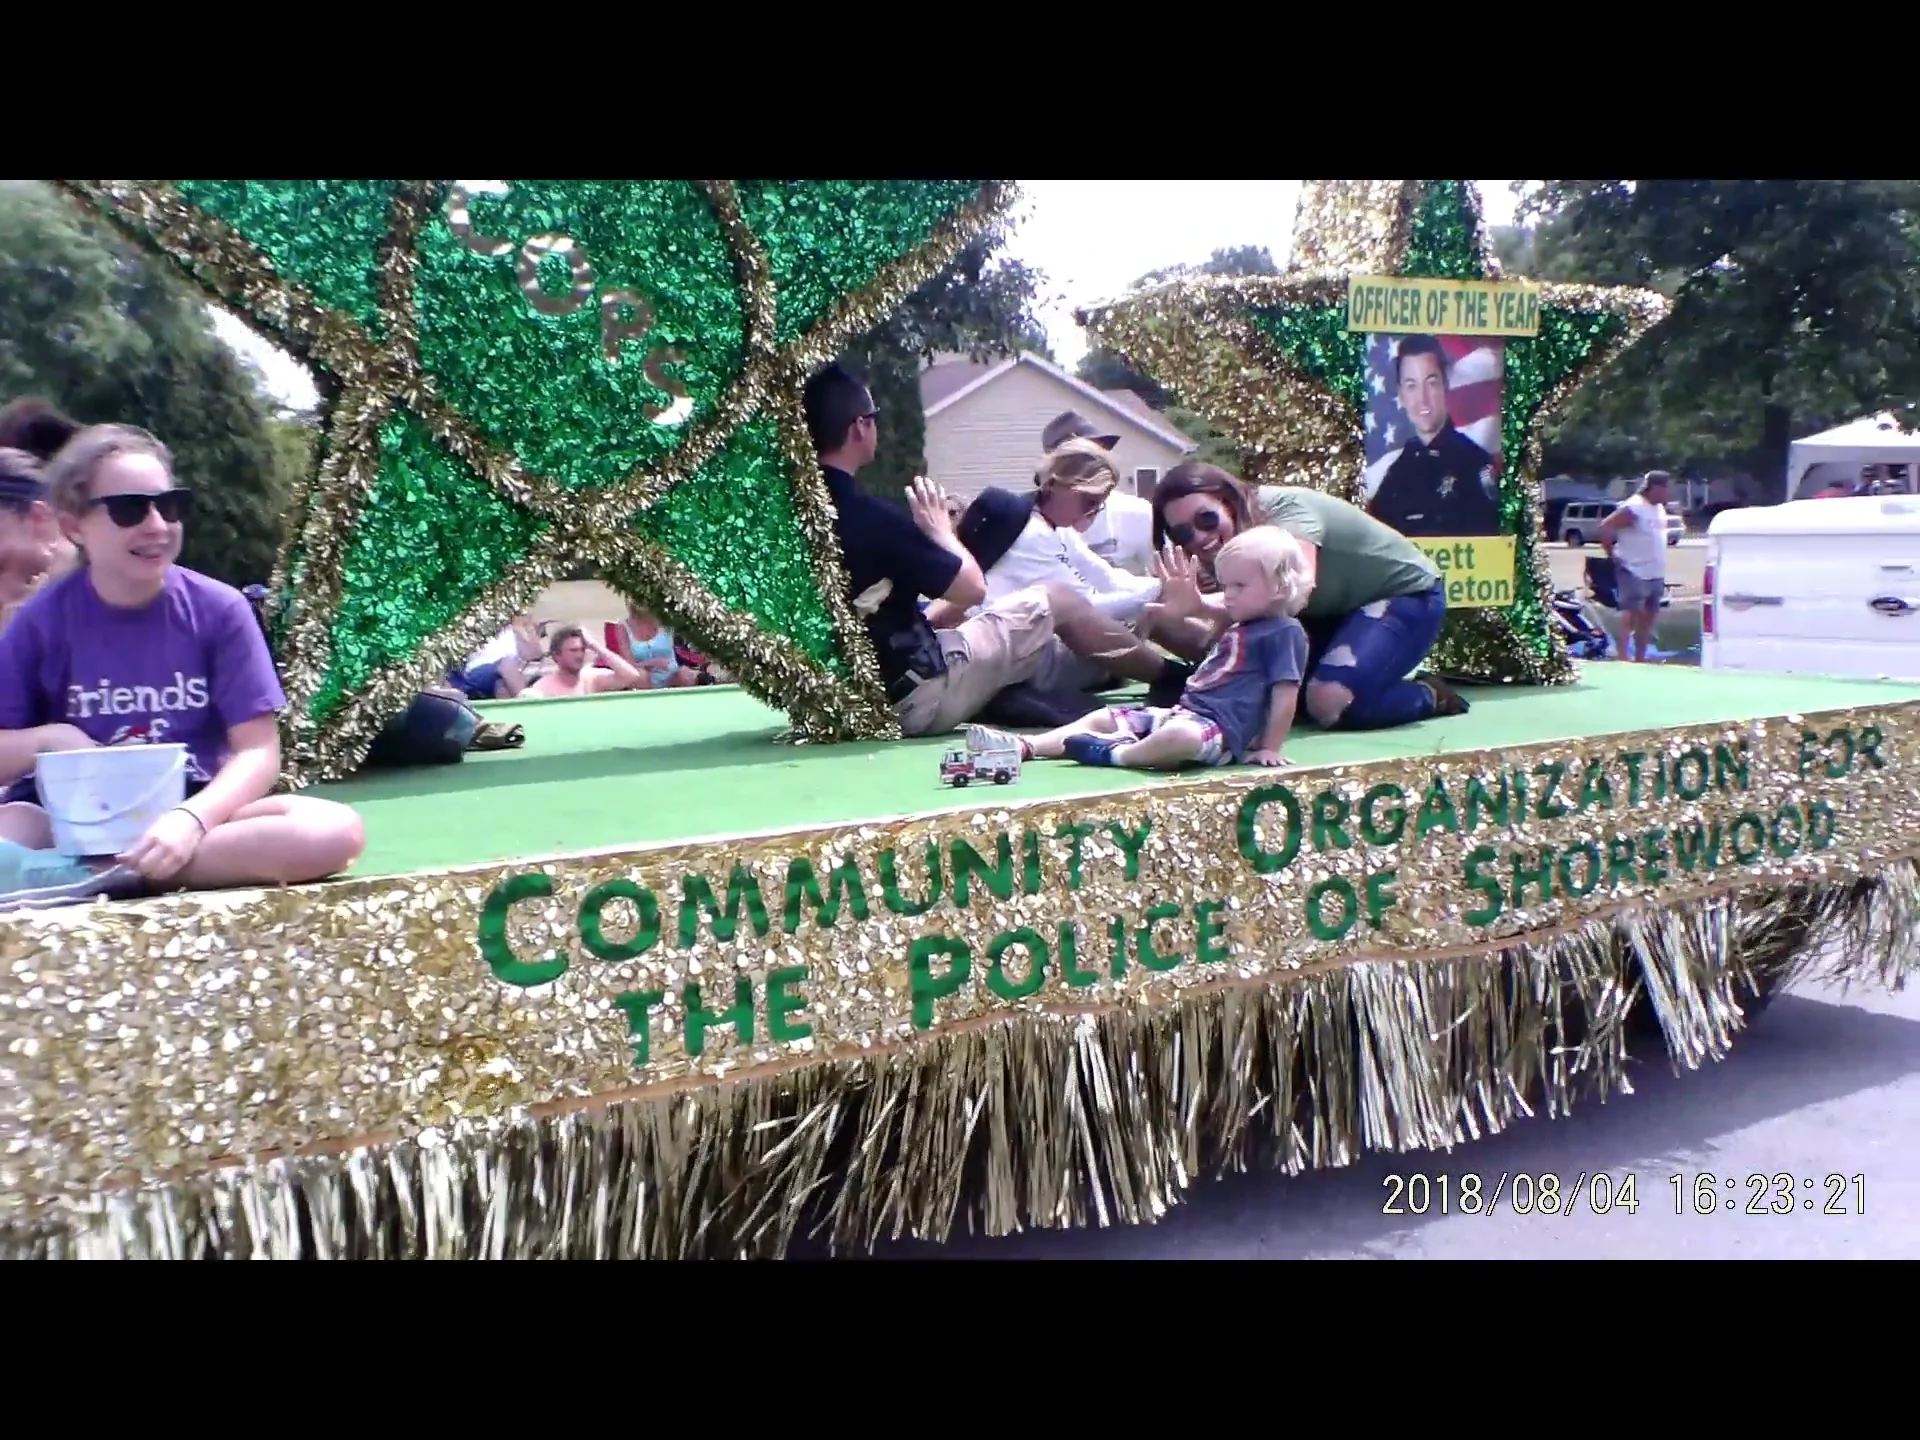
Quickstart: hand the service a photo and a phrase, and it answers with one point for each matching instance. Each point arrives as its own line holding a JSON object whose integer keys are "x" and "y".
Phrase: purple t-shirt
{"x": 180, "y": 671}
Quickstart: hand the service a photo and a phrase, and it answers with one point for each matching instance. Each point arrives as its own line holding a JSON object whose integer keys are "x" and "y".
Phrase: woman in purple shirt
{"x": 132, "y": 649}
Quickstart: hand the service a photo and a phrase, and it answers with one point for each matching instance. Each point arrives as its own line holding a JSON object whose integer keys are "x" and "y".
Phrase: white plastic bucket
{"x": 101, "y": 801}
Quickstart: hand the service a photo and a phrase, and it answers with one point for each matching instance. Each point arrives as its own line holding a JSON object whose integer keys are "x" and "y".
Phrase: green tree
{"x": 1103, "y": 369}
{"x": 1534, "y": 252}
{"x": 1603, "y": 432}
{"x": 92, "y": 324}
{"x": 1228, "y": 260}
{"x": 1215, "y": 448}
{"x": 981, "y": 306}
{"x": 893, "y": 375}
{"x": 1796, "y": 304}
{"x": 296, "y": 447}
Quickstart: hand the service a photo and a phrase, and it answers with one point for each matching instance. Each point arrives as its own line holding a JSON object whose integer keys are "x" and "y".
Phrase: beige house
{"x": 984, "y": 423}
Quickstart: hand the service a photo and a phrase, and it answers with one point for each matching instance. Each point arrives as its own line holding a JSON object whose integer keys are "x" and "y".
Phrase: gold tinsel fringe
{"x": 1043, "y": 1122}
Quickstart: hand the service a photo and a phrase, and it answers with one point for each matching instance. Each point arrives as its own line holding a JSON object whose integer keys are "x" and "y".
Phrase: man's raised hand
{"x": 929, "y": 505}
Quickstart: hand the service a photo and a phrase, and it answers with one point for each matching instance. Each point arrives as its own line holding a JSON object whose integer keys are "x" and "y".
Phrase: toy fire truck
{"x": 962, "y": 767}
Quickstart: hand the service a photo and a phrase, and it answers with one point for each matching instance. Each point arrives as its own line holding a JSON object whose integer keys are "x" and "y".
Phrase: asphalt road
{"x": 1825, "y": 1084}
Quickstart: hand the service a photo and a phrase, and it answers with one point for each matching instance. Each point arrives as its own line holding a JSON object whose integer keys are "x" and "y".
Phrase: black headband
{"x": 22, "y": 489}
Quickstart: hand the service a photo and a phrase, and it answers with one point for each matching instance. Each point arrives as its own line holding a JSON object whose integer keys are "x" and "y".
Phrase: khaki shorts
{"x": 1061, "y": 669}
{"x": 999, "y": 647}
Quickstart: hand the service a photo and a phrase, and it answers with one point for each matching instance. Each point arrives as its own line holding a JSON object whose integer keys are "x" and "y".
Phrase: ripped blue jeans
{"x": 1372, "y": 652}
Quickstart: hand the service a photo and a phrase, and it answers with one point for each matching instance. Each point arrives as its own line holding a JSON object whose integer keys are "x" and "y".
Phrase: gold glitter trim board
{"x": 1018, "y": 1014}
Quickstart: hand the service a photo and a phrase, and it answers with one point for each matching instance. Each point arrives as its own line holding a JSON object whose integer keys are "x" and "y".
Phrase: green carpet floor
{"x": 630, "y": 769}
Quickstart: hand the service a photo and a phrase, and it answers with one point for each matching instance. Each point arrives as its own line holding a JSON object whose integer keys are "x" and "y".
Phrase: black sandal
{"x": 497, "y": 737}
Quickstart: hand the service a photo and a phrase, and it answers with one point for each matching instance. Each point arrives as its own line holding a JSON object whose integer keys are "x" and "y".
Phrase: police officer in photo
{"x": 1442, "y": 484}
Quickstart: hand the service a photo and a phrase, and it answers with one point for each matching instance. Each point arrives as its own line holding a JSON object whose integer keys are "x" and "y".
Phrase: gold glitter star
{"x": 352, "y": 278}
{"x": 1269, "y": 360}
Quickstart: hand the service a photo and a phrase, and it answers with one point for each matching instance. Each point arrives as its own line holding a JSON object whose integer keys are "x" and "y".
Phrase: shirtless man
{"x": 572, "y": 676}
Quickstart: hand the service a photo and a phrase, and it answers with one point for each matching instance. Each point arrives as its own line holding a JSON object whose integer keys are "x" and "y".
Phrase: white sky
{"x": 1092, "y": 238}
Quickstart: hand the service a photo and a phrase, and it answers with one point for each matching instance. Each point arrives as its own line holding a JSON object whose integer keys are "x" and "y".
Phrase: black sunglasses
{"x": 1205, "y": 522}
{"x": 128, "y": 511}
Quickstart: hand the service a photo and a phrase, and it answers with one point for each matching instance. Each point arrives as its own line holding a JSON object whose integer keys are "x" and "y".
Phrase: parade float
{"x": 705, "y": 971}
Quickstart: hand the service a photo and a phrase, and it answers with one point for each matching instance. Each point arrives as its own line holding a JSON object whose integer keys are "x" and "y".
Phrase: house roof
{"x": 945, "y": 384}
{"x": 940, "y": 380}
{"x": 1132, "y": 400}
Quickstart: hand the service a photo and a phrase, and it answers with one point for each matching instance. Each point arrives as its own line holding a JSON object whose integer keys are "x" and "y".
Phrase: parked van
{"x": 1815, "y": 587}
{"x": 1580, "y": 522}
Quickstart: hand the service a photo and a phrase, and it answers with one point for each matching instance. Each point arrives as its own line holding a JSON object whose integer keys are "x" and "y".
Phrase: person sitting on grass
{"x": 133, "y": 649}
{"x": 498, "y": 669}
{"x": 647, "y": 645}
{"x": 1239, "y": 705}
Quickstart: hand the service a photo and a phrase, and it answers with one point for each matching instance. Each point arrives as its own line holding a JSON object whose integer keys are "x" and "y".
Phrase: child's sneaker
{"x": 983, "y": 738}
{"x": 1094, "y": 749}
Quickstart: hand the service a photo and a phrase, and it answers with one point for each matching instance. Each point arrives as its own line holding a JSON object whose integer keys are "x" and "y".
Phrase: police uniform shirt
{"x": 1440, "y": 489}
{"x": 890, "y": 565}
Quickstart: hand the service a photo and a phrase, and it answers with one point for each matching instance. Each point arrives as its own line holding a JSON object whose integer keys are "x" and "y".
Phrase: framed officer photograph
{"x": 1433, "y": 434}
{"x": 1436, "y": 368}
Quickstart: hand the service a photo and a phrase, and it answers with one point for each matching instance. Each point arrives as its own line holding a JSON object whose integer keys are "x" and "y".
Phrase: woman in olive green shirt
{"x": 1376, "y": 606}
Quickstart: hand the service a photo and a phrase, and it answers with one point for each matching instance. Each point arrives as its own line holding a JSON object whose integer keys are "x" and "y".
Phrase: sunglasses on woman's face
{"x": 129, "y": 511}
{"x": 1204, "y": 522}
{"x": 1086, "y": 505}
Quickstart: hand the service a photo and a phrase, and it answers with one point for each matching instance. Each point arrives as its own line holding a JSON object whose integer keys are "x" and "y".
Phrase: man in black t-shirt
{"x": 941, "y": 667}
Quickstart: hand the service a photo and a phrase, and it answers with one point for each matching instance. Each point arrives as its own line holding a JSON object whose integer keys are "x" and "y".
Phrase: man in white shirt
{"x": 1122, "y": 534}
{"x": 1635, "y": 539}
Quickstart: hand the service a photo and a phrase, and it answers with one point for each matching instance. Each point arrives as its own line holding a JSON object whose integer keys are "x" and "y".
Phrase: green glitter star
{"x": 1271, "y": 361}
{"x": 522, "y": 376}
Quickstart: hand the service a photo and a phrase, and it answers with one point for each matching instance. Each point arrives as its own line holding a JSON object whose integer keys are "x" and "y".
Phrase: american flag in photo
{"x": 1474, "y": 368}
